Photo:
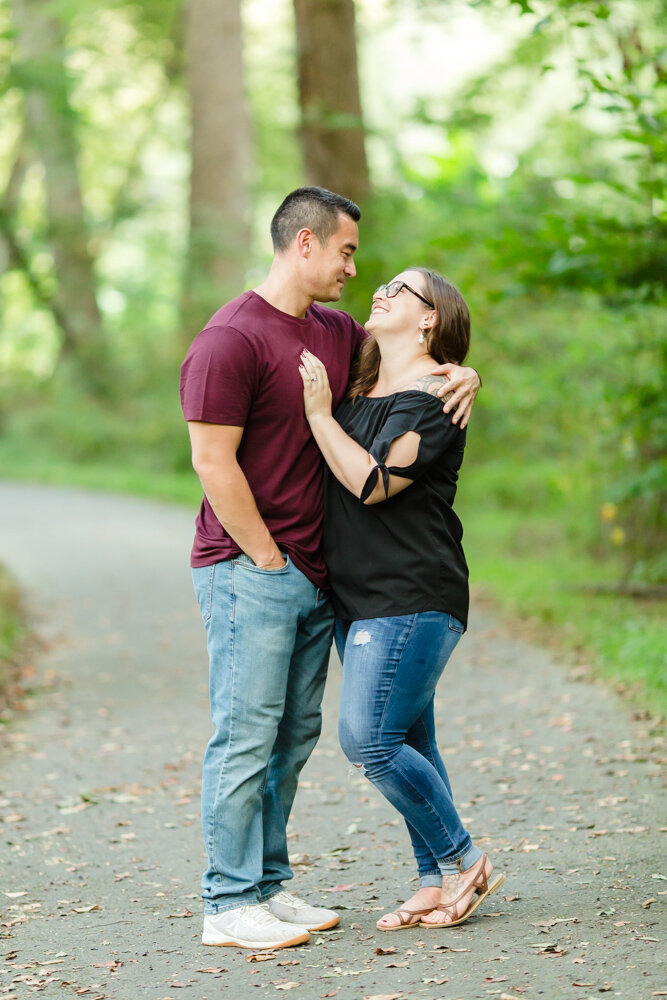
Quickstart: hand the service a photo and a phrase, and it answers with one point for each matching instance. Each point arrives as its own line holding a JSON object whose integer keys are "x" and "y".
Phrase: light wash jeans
{"x": 268, "y": 635}
{"x": 386, "y": 726}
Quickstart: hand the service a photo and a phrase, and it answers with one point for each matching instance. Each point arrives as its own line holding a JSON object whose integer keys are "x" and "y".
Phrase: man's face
{"x": 329, "y": 266}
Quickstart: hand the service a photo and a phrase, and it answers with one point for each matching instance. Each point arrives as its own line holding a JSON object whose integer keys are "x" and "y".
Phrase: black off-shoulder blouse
{"x": 404, "y": 554}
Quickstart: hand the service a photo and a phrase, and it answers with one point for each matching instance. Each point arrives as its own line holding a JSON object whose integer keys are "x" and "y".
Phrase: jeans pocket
{"x": 247, "y": 563}
{"x": 202, "y": 579}
{"x": 455, "y": 625}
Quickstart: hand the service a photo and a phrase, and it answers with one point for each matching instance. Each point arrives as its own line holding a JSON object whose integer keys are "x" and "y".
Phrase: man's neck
{"x": 282, "y": 292}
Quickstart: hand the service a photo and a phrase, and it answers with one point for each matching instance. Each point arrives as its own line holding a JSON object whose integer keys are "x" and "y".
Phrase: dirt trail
{"x": 101, "y": 850}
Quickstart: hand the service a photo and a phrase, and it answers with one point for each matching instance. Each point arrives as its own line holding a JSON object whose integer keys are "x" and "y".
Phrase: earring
{"x": 423, "y": 334}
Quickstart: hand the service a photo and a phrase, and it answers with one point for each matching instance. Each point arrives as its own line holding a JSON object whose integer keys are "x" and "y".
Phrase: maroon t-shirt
{"x": 243, "y": 370}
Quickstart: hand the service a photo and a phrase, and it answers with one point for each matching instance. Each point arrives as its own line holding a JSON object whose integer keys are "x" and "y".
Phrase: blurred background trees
{"x": 516, "y": 145}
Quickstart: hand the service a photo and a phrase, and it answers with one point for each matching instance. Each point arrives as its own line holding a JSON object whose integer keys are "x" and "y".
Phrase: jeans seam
{"x": 393, "y": 678}
{"x": 209, "y": 599}
{"x": 230, "y": 736}
{"x": 430, "y": 758}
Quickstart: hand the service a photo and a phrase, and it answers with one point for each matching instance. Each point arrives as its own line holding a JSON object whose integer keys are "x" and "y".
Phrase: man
{"x": 257, "y": 561}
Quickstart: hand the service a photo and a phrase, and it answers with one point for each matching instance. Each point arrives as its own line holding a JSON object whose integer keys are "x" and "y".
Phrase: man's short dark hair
{"x": 312, "y": 208}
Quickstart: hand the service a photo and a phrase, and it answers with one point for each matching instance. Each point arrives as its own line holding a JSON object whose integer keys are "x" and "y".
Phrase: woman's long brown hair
{"x": 449, "y": 340}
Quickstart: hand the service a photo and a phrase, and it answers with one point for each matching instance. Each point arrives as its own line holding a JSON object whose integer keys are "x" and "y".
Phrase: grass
{"x": 12, "y": 630}
{"x": 542, "y": 562}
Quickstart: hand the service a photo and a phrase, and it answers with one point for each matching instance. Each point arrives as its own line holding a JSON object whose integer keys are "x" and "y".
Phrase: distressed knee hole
{"x": 361, "y": 638}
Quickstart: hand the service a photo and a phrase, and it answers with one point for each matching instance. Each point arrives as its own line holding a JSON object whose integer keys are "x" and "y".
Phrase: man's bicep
{"x": 213, "y": 445}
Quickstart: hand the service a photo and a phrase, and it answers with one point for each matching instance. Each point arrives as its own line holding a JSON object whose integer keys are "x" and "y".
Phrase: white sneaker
{"x": 251, "y": 927}
{"x": 289, "y": 908}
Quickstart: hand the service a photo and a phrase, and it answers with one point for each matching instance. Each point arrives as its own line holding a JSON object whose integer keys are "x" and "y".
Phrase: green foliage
{"x": 12, "y": 627}
{"x": 558, "y": 244}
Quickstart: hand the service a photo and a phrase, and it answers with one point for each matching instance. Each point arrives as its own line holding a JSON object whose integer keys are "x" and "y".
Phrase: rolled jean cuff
{"x": 431, "y": 879}
{"x": 466, "y": 860}
{"x": 212, "y": 909}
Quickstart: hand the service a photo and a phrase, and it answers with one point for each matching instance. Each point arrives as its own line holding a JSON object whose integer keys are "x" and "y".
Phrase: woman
{"x": 399, "y": 576}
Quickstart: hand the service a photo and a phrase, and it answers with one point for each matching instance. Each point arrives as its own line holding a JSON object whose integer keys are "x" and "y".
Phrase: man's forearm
{"x": 233, "y": 504}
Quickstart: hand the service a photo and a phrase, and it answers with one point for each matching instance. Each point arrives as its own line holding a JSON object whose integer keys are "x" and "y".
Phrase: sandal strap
{"x": 477, "y": 885}
{"x": 411, "y": 913}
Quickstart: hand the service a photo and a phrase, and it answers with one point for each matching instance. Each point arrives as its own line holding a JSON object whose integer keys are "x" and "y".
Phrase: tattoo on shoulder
{"x": 430, "y": 384}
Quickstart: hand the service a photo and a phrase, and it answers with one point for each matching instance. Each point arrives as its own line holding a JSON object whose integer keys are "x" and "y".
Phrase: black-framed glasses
{"x": 394, "y": 287}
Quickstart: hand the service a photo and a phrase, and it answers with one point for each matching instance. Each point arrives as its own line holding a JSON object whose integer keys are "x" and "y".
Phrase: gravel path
{"x": 101, "y": 850}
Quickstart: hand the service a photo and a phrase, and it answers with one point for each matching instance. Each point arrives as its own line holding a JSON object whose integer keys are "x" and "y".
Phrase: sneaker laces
{"x": 288, "y": 898}
{"x": 259, "y": 914}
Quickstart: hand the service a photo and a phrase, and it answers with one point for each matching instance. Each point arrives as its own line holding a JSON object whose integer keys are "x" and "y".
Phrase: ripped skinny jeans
{"x": 386, "y": 726}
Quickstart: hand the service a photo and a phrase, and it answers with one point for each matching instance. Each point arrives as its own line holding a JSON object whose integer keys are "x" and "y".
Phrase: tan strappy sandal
{"x": 404, "y": 924}
{"x": 482, "y": 888}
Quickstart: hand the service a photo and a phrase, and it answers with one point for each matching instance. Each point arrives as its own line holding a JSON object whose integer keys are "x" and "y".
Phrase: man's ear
{"x": 304, "y": 241}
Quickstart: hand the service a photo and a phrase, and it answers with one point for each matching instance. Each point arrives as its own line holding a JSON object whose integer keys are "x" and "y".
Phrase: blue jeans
{"x": 268, "y": 635}
{"x": 386, "y": 726}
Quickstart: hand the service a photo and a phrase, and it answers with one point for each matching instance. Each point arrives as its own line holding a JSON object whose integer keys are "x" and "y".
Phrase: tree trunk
{"x": 219, "y": 229}
{"x": 332, "y": 132}
{"x": 50, "y": 130}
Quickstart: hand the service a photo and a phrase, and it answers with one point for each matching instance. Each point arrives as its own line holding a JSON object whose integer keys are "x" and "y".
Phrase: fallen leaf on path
{"x": 214, "y": 972}
{"x": 340, "y": 888}
{"x": 511, "y": 899}
{"x": 495, "y": 979}
{"x": 184, "y": 914}
{"x": 376, "y": 996}
{"x": 289, "y": 961}
{"x": 552, "y": 951}
{"x": 14, "y": 895}
{"x": 647, "y": 902}
{"x": 556, "y": 920}
{"x": 578, "y": 983}
{"x": 385, "y": 951}
{"x": 285, "y": 986}
{"x": 108, "y": 965}
{"x": 86, "y": 909}
{"x": 435, "y": 982}
{"x": 398, "y": 965}
{"x": 261, "y": 956}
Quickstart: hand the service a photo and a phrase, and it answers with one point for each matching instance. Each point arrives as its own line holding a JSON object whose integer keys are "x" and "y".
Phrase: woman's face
{"x": 403, "y": 311}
